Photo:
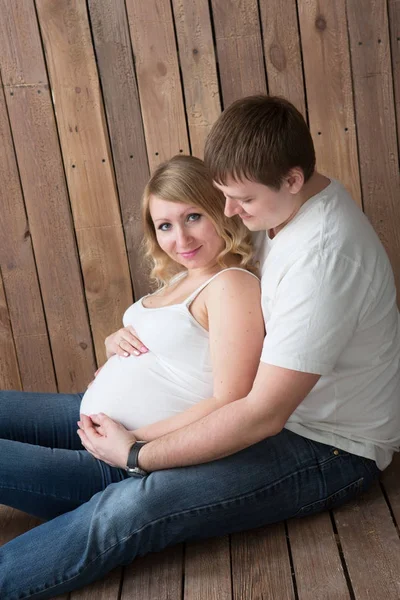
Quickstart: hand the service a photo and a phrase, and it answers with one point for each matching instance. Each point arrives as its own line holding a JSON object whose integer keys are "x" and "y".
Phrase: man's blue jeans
{"x": 99, "y": 518}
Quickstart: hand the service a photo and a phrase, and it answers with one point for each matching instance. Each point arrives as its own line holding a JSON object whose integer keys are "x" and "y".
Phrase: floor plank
{"x": 371, "y": 546}
{"x": 156, "y": 576}
{"x": 318, "y": 568}
{"x": 261, "y": 565}
{"x": 208, "y": 570}
{"x": 107, "y": 588}
{"x": 391, "y": 484}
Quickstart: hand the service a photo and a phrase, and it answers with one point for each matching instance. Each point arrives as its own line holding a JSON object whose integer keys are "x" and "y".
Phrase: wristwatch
{"x": 132, "y": 467}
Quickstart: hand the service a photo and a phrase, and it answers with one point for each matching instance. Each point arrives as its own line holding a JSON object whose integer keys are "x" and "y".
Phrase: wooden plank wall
{"x": 95, "y": 93}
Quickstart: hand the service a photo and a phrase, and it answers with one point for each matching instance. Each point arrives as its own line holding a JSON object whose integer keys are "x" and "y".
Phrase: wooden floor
{"x": 353, "y": 553}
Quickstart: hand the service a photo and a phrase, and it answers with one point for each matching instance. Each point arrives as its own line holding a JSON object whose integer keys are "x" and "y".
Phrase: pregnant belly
{"x": 137, "y": 391}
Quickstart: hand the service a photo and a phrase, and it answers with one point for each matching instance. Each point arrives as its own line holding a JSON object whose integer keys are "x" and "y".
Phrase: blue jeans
{"x": 99, "y": 518}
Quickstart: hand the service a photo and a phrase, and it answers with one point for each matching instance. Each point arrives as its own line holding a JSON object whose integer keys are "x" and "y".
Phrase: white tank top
{"x": 175, "y": 374}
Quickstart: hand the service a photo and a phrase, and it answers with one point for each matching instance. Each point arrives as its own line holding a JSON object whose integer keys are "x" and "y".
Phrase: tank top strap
{"x": 196, "y": 292}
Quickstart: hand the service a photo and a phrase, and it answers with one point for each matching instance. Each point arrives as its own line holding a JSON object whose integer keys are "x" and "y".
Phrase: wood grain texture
{"x": 329, "y": 90}
{"x": 239, "y": 48}
{"x": 21, "y": 285}
{"x": 42, "y": 177}
{"x": 267, "y": 572}
{"x": 371, "y": 547}
{"x": 197, "y": 60}
{"x": 107, "y": 588}
{"x": 155, "y": 576}
{"x": 394, "y": 25}
{"x": 121, "y": 98}
{"x": 318, "y": 569}
{"x": 391, "y": 484}
{"x": 376, "y": 126}
{"x": 88, "y": 166}
{"x": 158, "y": 79}
{"x": 282, "y": 51}
{"x": 9, "y": 370}
{"x": 208, "y": 570}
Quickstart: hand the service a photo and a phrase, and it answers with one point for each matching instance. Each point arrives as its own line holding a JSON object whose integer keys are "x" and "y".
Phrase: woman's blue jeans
{"x": 100, "y": 518}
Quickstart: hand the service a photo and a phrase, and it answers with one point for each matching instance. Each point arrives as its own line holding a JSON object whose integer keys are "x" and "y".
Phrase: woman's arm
{"x": 236, "y": 329}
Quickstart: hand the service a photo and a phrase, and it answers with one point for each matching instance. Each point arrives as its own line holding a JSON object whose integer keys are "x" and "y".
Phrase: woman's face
{"x": 185, "y": 233}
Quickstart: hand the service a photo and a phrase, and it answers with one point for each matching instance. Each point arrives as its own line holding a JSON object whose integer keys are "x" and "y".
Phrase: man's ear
{"x": 294, "y": 180}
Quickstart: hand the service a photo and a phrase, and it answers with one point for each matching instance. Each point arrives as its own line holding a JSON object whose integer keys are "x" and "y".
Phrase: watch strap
{"x": 133, "y": 456}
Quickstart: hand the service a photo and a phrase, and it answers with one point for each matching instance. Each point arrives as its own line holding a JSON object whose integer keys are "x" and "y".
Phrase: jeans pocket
{"x": 334, "y": 500}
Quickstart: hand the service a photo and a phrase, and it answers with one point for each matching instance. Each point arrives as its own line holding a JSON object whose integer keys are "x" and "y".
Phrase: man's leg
{"x": 278, "y": 478}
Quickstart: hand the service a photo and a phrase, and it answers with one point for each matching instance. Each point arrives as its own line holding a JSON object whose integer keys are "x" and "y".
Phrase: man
{"x": 323, "y": 417}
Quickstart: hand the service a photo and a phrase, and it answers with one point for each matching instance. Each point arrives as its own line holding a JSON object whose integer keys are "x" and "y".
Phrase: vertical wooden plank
{"x": 371, "y": 547}
{"x": 316, "y": 560}
{"x": 208, "y": 570}
{"x": 376, "y": 127}
{"x": 9, "y": 371}
{"x": 282, "y": 51}
{"x": 329, "y": 90}
{"x": 88, "y": 167}
{"x": 260, "y": 564}
{"x": 20, "y": 278}
{"x": 155, "y": 576}
{"x": 239, "y": 48}
{"x": 394, "y": 23}
{"x": 121, "y": 99}
{"x": 153, "y": 40}
{"x": 197, "y": 59}
{"x": 40, "y": 167}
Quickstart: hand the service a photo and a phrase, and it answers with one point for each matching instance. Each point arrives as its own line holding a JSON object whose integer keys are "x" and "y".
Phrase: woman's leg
{"x": 44, "y": 470}
{"x": 42, "y": 419}
{"x": 47, "y": 482}
{"x": 278, "y": 478}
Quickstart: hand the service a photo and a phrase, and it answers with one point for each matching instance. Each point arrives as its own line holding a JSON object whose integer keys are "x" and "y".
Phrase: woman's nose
{"x": 183, "y": 237}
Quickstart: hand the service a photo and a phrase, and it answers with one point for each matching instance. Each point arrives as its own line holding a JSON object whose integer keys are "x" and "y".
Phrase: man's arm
{"x": 263, "y": 413}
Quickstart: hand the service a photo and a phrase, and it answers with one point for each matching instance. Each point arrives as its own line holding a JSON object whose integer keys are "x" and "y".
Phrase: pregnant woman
{"x": 200, "y": 336}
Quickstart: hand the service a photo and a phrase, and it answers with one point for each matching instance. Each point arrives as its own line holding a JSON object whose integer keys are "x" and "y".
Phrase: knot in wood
{"x": 320, "y": 23}
{"x": 277, "y": 56}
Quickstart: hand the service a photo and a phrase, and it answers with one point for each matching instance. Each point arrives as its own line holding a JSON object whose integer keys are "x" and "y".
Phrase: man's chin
{"x": 252, "y": 226}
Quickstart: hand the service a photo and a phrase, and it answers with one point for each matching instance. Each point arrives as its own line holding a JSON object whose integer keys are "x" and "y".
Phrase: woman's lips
{"x": 191, "y": 253}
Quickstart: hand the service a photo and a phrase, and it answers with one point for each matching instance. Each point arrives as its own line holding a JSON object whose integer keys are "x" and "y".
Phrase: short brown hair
{"x": 259, "y": 138}
{"x": 186, "y": 179}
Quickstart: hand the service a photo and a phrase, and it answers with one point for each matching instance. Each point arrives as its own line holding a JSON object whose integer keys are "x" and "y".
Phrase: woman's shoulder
{"x": 232, "y": 281}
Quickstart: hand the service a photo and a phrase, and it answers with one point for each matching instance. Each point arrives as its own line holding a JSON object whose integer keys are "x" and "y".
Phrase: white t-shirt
{"x": 329, "y": 305}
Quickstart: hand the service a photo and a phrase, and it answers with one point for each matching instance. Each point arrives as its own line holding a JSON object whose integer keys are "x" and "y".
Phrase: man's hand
{"x": 106, "y": 439}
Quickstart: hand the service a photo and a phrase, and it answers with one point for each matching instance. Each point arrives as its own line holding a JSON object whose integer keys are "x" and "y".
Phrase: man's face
{"x": 259, "y": 206}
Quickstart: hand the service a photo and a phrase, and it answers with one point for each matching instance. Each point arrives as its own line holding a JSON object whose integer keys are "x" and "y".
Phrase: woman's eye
{"x": 164, "y": 226}
{"x": 193, "y": 217}
{"x": 247, "y": 200}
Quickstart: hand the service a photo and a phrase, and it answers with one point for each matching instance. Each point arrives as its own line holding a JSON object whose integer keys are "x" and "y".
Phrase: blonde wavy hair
{"x": 186, "y": 179}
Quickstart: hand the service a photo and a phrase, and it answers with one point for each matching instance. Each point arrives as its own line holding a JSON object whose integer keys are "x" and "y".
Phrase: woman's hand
{"x": 106, "y": 439}
{"x": 124, "y": 342}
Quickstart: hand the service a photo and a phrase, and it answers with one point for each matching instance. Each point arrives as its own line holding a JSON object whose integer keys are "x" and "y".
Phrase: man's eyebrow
{"x": 238, "y": 197}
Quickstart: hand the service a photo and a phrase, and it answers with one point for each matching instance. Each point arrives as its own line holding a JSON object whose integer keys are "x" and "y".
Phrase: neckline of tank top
{"x": 195, "y": 292}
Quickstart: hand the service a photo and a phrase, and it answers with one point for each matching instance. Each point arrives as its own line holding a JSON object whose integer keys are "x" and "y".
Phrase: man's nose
{"x": 231, "y": 207}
